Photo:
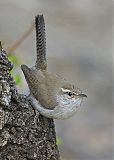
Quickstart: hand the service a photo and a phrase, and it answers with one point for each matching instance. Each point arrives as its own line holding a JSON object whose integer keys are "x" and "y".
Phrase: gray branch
{"x": 23, "y": 135}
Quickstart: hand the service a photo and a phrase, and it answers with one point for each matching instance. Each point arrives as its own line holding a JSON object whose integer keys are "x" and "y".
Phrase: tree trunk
{"x": 23, "y": 134}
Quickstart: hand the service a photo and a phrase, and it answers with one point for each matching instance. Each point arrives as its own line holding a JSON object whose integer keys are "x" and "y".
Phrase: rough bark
{"x": 23, "y": 134}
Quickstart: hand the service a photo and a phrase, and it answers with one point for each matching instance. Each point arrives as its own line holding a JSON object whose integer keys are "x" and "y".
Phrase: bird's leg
{"x": 36, "y": 118}
{"x": 33, "y": 104}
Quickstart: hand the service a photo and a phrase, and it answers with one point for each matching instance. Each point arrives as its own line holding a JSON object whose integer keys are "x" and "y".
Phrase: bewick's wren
{"x": 51, "y": 95}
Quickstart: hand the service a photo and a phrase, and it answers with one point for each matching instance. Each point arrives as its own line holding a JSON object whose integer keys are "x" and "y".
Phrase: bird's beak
{"x": 82, "y": 95}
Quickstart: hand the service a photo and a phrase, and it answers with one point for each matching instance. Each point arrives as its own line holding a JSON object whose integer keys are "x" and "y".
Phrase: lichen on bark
{"x": 24, "y": 135}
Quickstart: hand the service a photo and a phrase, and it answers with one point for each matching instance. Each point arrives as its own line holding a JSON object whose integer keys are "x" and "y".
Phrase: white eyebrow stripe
{"x": 67, "y": 90}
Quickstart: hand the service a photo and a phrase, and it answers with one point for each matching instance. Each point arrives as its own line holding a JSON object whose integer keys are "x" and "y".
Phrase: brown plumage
{"x": 57, "y": 98}
{"x": 43, "y": 85}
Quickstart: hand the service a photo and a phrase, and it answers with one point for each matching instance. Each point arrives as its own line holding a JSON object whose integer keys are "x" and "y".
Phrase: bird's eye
{"x": 70, "y": 93}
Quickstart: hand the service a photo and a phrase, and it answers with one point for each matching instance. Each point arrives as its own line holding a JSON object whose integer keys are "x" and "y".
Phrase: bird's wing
{"x": 42, "y": 88}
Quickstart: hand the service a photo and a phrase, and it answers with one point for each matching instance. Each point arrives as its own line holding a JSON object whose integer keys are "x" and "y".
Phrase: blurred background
{"x": 79, "y": 47}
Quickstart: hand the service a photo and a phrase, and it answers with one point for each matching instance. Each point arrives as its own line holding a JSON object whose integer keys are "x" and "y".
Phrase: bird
{"x": 50, "y": 94}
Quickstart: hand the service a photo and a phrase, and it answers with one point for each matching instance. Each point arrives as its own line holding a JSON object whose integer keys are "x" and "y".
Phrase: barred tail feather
{"x": 40, "y": 42}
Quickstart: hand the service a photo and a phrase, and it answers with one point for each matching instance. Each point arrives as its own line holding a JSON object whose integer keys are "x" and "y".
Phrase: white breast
{"x": 64, "y": 110}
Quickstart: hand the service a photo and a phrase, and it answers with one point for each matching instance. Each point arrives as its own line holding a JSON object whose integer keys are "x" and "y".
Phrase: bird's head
{"x": 69, "y": 95}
